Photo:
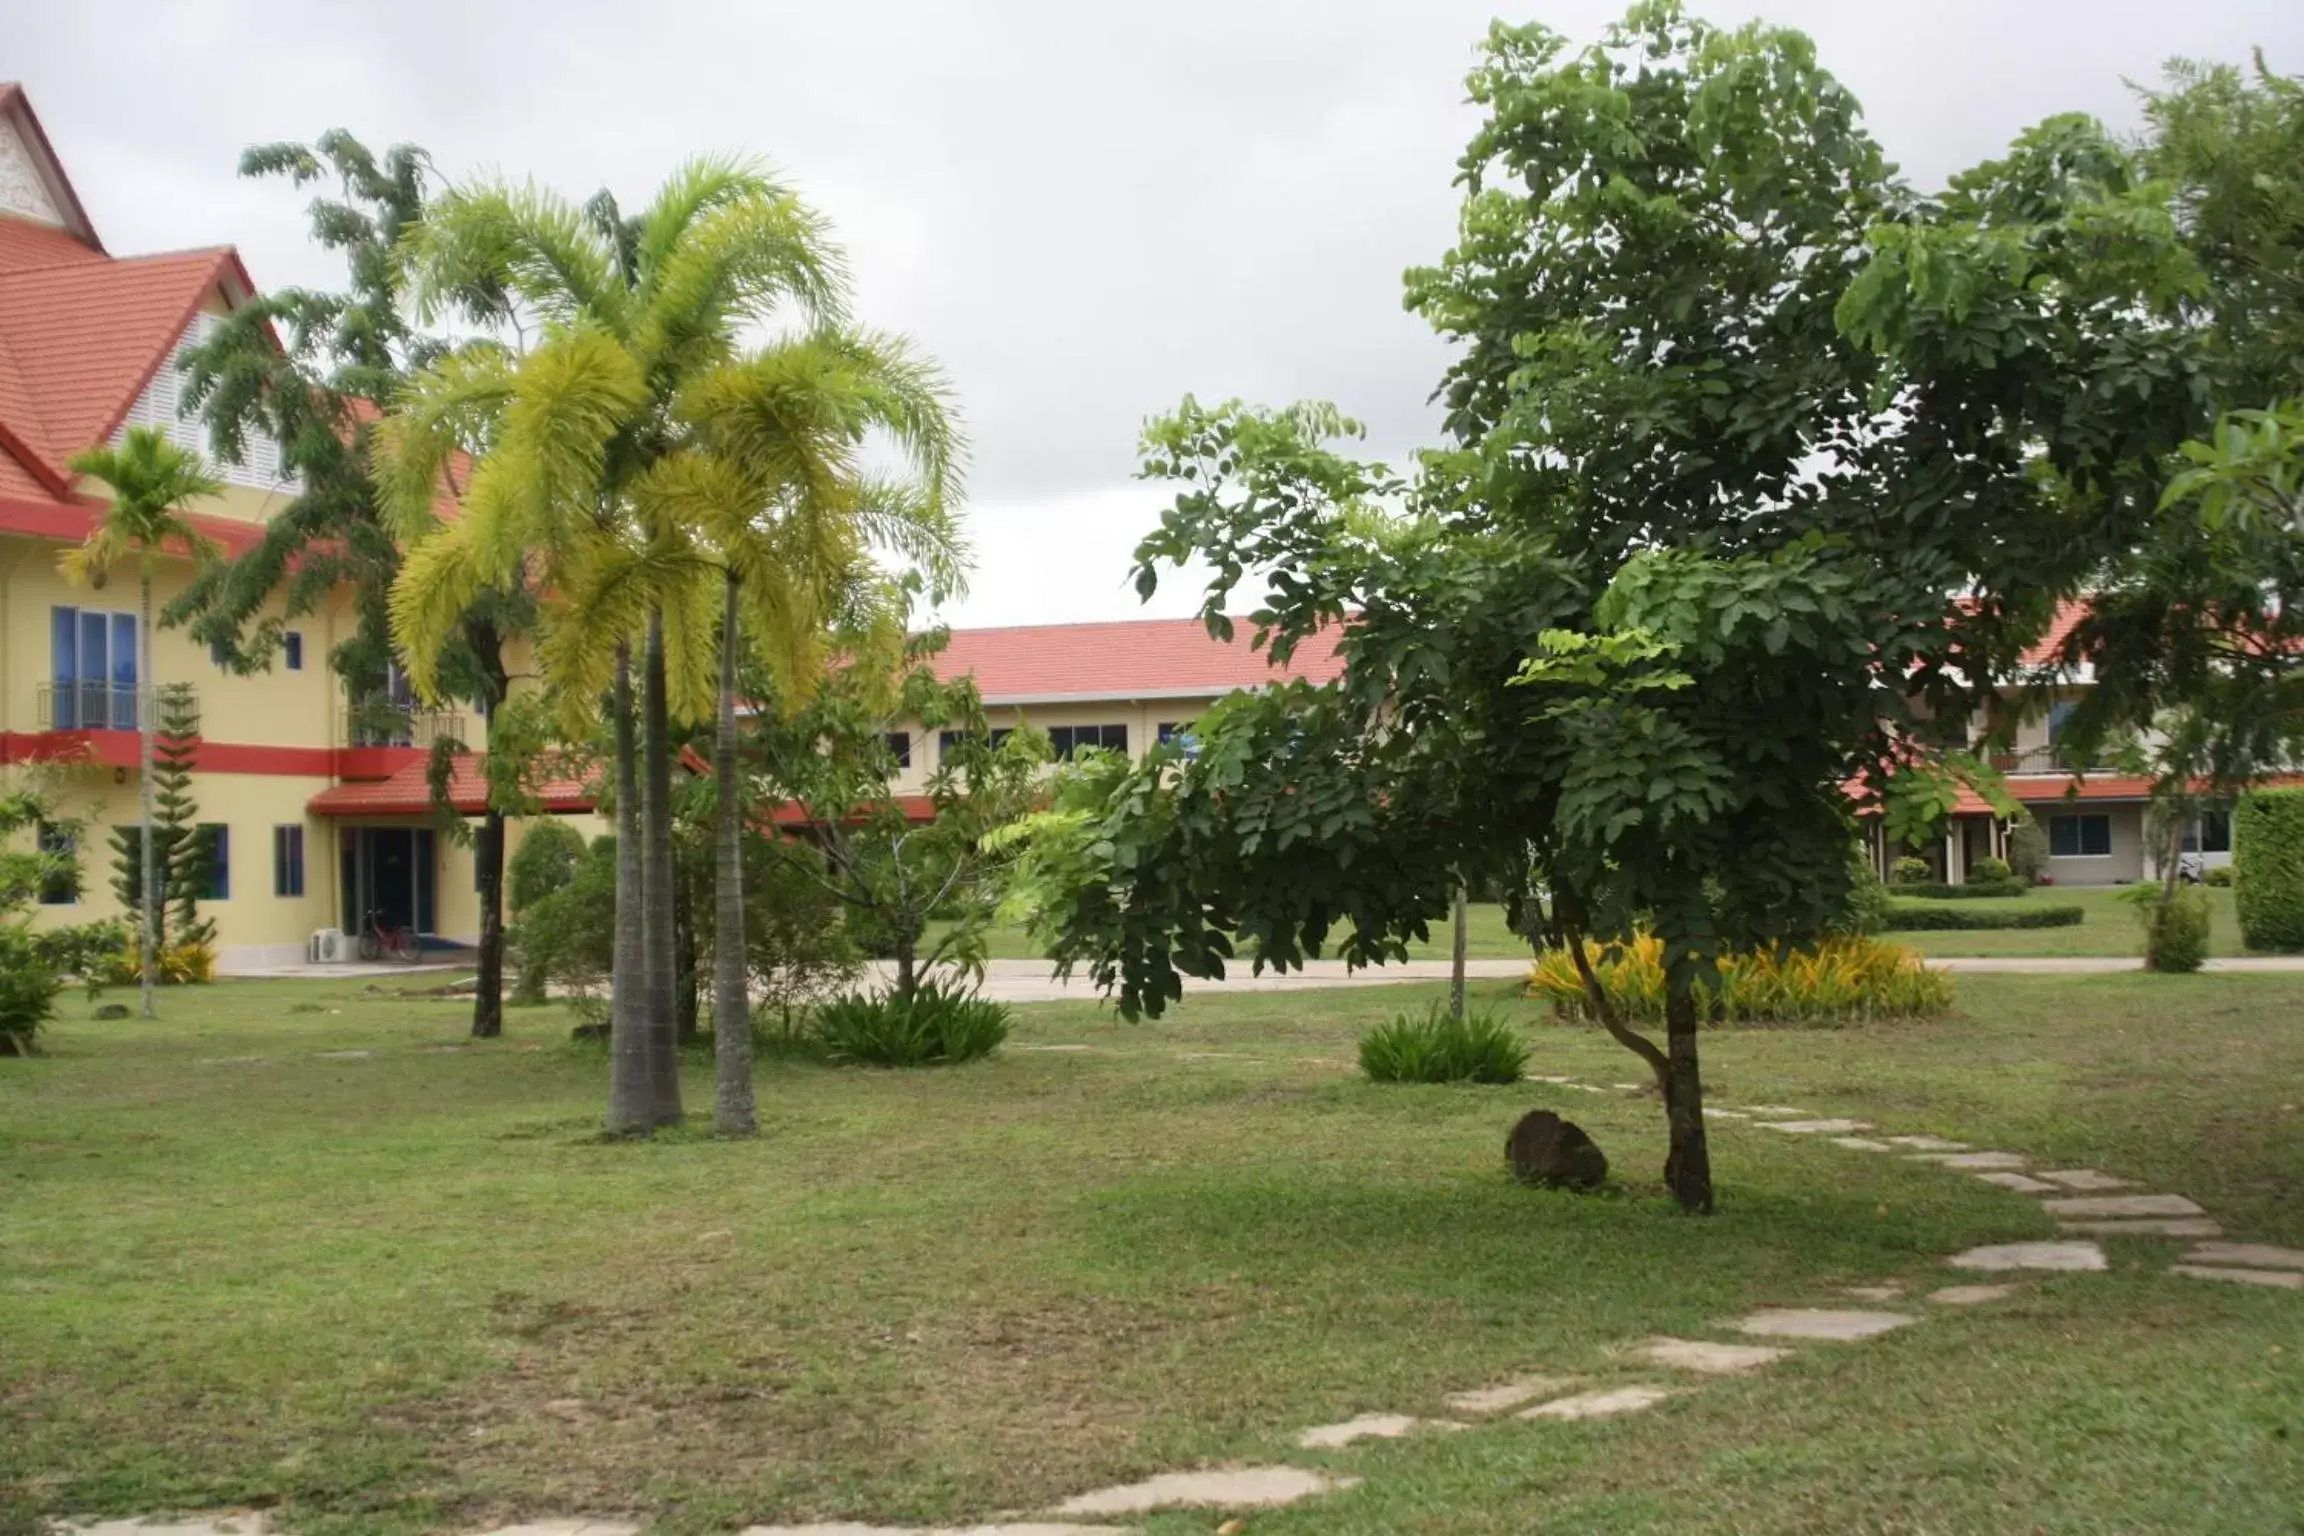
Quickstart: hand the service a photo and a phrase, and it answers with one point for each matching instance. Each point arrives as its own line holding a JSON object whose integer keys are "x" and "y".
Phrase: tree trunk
{"x": 146, "y": 703}
{"x": 2171, "y": 878}
{"x": 628, "y": 1091}
{"x": 733, "y": 1112}
{"x": 1460, "y": 943}
{"x": 1688, "y": 1164}
{"x": 658, "y": 898}
{"x": 488, "y": 994}
{"x": 907, "y": 972}
{"x": 488, "y": 851}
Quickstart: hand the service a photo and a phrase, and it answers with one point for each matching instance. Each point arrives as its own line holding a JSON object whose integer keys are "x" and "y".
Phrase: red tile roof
{"x": 1127, "y": 659}
{"x": 409, "y": 793}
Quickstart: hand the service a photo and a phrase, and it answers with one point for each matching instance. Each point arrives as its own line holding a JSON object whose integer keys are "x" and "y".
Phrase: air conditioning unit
{"x": 328, "y": 946}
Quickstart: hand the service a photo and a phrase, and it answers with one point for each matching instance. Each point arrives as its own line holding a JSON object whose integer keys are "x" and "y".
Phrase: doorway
{"x": 388, "y": 871}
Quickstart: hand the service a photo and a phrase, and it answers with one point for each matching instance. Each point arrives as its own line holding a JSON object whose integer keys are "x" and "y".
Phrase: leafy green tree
{"x": 153, "y": 484}
{"x": 311, "y": 370}
{"x": 33, "y": 965}
{"x": 1702, "y": 550}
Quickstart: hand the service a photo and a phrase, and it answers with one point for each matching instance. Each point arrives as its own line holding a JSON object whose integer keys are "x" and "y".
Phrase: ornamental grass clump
{"x": 933, "y": 1025}
{"x": 1438, "y": 1047}
{"x": 1840, "y": 981}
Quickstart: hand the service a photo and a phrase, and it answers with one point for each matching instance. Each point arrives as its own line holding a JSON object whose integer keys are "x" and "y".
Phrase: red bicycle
{"x": 380, "y": 939}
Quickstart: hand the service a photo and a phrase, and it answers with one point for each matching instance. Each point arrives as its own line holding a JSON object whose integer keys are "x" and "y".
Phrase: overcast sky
{"x": 1084, "y": 210}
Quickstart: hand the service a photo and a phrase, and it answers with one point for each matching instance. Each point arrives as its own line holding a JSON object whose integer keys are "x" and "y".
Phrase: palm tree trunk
{"x": 628, "y": 1091}
{"x": 733, "y": 1113}
{"x": 1459, "y": 943}
{"x": 658, "y": 898}
{"x": 488, "y": 993}
{"x": 146, "y": 698}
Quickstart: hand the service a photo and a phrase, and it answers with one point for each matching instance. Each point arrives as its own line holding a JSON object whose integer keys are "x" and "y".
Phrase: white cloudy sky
{"x": 1085, "y": 210}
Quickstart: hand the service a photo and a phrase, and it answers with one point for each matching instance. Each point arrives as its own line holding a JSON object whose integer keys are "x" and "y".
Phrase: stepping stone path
{"x": 1706, "y": 1358}
{"x": 2031, "y": 1256}
{"x": 1820, "y": 1323}
{"x": 1599, "y": 1405}
{"x": 1221, "y": 1488}
{"x": 1507, "y": 1394}
{"x": 2082, "y": 1202}
{"x": 1370, "y": 1426}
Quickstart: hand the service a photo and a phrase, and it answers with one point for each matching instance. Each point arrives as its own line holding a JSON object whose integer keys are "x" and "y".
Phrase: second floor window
{"x": 1069, "y": 739}
{"x": 92, "y": 670}
{"x": 900, "y": 748}
{"x": 292, "y": 650}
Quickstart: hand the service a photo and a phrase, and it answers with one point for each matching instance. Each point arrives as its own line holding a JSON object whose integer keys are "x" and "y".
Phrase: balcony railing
{"x": 406, "y": 725}
{"x": 100, "y": 706}
{"x": 2049, "y": 759}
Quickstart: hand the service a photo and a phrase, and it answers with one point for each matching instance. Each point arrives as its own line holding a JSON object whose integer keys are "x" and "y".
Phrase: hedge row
{"x": 2268, "y": 863}
{"x": 1912, "y": 916}
{"x": 1970, "y": 891}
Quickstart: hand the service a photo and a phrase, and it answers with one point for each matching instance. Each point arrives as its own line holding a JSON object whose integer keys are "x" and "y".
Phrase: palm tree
{"x": 774, "y": 483}
{"x": 152, "y": 481}
{"x": 626, "y": 315}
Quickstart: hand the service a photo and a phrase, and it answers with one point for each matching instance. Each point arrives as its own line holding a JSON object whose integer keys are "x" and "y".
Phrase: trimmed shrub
{"x": 1909, "y": 870}
{"x": 1990, "y": 871}
{"x": 1839, "y": 981}
{"x": 936, "y": 1026}
{"x": 2027, "y": 849}
{"x": 2268, "y": 867}
{"x": 2218, "y": 875}
{"x": 1917, "y": 916}
{"x": 1975, "y": 890}
{"x": 1437, "y": 1047}
{"x": 28, "y": 988}
{"x": 1867, "y": 906}
{"x": 2175, "y": 935}
{"x": 546, "y": 860}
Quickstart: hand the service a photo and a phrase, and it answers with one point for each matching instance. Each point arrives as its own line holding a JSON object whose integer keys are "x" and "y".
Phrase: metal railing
{"x": 89, "y": 705}
{"x": 2049, "y": 759}
{"x": 406, "y": 725}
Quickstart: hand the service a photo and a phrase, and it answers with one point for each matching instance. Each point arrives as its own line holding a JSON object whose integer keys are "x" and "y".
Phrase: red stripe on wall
{"x": 118, "y": 749}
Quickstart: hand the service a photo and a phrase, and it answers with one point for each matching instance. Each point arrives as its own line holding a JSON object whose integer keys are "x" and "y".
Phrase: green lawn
{"x": 411, "y": 1292}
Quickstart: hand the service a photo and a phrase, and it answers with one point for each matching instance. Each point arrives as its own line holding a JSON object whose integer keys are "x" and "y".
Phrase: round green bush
{"x": 2268, "y": 868}
{"x": 1990, "y": 871}
{"x": 1909, "y": 871}
{"x": 1438, "y": 1047}
{"x": 2027, "y": 849}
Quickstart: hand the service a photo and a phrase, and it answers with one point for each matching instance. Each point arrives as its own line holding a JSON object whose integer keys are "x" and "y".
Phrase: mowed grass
{"x": 413, "y": 1292}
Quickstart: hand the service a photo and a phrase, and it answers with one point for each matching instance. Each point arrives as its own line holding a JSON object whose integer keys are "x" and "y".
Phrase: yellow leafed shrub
{"x": 180, "y": 965}
{"x": 1841, "y": 980}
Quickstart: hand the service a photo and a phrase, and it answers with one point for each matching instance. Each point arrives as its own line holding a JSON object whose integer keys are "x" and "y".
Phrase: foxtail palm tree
{"x": 153, "y": 482}
{"x": 625, "y": 313}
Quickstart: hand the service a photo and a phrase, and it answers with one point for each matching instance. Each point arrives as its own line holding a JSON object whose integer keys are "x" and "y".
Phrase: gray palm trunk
{"x": 629, "y": 1095}
{"x": 733, "y": 1112}
{"x": 657, "y": 895}
{"x": 1460, "y": 941}
{"x": 146, "y": 698}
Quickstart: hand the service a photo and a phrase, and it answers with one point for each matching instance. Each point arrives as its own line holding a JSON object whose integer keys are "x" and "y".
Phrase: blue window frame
{"x": 292, "y": 649}
{"x": 92, "y": 665}
{"x": 59, "y": 888}
{"x": 1180, "y": 733}
{"x": 288, "y": 861}
{"x": 217, "y": 839}
{"x": 2086, "y": 836}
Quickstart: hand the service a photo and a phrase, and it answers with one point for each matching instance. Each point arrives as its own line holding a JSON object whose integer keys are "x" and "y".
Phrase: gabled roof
{"x": 1126, "y": 659}
{"x": 409, "y": 793}
{"x": 37, "y": 174}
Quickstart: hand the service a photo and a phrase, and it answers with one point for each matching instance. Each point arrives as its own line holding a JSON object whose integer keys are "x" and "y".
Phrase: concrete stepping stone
{"x": 1773, "y": 1110}
{"x": 2122, "y": 1205}
{"x": 1816, "y": 1127}
{"x": 1873, "y": 1292}
{"x": 567, "y": 1528}
{"x": 2284, "y": 1278}
{"x": 2086, "y": 1180}
{"x": 1215, "y": 1488}
{"x": 342, "y": 1055}
{"x": 1507, "y": 1394}
{"x": 1969, "y": 1162}
{"x": 2248, "y": 1255}
{"x": 1599, "y": 1405}
{"x": 1712, "y": 1113}
{"x": 2023, "y": 1184}
{"x": 1928, "y": 1144}
{"x": 1707, "y": 1358}
{"x": 1370, "y": 1426}
{"x": 1820, "y": 1323}
{"x": 212, "y": 1525}
{"x": 1068, "y": 1048}
{"x": 1557, "y": 1082}
{"x": 1971, "y": 1295}
{"x": 1861, "y": 1144}
{"x": 2181, "y": 1226}
{"x": 2074, "y": 1256}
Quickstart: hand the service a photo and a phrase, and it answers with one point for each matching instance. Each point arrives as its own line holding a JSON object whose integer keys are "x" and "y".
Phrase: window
{"x": 2212, "y": 833}
{"x": 214, "y": 840}
{"x": 947, "y": 741}
{"x": 2080, "y": 837}
{"x": 92, "y": 665}
{"x": 59, "y": 888}
{"x": 2058, "y": 713}
{"x": 164, "y": 405}
{"x": 900, "y": 748}
{"x": 288, "y": 861}
{"x": 1069, "y": 739}
{"x": 292, "y": 650}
